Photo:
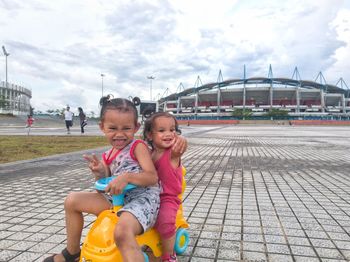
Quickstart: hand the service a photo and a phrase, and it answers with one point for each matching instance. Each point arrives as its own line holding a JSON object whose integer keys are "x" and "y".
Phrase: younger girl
{"x": 161, "y": 132}
{"x": 130, "y": 161}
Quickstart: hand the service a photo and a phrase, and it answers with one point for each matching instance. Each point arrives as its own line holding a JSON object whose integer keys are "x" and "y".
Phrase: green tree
{"x": 242, "y": 113}
{"x": 277, "y": 113}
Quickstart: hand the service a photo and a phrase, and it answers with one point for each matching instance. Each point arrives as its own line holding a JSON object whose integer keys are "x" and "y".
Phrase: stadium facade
{"x": 14, "y": 99}
{"x": 300, "y": 98}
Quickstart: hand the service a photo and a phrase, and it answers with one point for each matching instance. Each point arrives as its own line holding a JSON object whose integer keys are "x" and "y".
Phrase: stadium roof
{"x": 258, "y": 80}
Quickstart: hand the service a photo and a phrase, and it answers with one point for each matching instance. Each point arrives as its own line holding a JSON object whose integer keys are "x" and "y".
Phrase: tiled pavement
{"x": 254, "y": 193}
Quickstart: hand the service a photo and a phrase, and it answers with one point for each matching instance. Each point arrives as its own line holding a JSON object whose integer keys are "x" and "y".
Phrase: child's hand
{"x": 179, "y": 146}
{"x": 95, "y": 165}
{"x": 116, "y": 186}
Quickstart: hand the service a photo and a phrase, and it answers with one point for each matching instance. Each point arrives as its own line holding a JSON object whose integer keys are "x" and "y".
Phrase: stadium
{"x": 302, "y": 99}
{"x": 14, "y": 99}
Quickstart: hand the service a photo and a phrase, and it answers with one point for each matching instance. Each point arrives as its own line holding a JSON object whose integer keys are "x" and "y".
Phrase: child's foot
{"x": 64, "y": 256}
{"x": 169, "y": 258}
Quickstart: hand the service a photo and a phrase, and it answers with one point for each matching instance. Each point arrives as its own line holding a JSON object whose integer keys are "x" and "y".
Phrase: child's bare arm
{"x": 180, "y": 146}
{"x": 177, "y": 150}
{"x": 149, "y": 174}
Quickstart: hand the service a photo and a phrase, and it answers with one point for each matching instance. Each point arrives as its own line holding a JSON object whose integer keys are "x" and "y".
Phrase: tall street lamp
{"x": 150, "y": 85}
{"x": 102, "y": 75}
{"x": 6, "y": 55}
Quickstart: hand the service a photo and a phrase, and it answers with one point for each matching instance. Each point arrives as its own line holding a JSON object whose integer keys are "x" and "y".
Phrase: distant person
{"x": 29, "y": 123}
{"x": 68, "y": 117}
{"x": 83, "y": 121}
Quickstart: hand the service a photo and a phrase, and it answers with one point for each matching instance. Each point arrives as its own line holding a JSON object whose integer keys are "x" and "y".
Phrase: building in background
{"x": 300, "y": 98}
{"x": 14, "y": 99}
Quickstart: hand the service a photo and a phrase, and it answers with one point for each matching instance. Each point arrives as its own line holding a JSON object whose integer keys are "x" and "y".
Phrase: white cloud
{"x": 60, "y": 48}
{"x": 341, "y": 56}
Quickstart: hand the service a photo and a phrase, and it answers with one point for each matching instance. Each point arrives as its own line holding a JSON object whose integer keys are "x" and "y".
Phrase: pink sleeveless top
{"x": 124, "y": 160}
{"x": 170, "y": 178}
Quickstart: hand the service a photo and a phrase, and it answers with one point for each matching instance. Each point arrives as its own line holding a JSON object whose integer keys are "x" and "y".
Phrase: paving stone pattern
{"x": 254, "y": 193}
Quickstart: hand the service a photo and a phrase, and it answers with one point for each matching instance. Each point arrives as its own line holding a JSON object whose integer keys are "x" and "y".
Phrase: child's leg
{"x": 166, "y": 225}
{"x": 75, "y": 204}
{"x": 168, "y": 247}
{"x": 126, "y": 230}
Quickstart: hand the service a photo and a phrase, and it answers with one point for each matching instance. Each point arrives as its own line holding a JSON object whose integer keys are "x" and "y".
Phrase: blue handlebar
{"x": 102, "y": 183}
{"x": 118, "y": 200}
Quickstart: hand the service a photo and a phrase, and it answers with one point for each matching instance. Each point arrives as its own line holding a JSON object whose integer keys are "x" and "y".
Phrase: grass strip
{"x": 14, "y": 148}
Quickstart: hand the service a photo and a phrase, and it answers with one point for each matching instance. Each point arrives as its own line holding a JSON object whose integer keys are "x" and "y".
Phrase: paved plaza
{"x": 254, "y": 193}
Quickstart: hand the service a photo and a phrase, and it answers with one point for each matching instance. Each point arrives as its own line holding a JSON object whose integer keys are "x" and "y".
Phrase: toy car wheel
{"x": 145, "y": 256}
{"x": 181, "y": 241}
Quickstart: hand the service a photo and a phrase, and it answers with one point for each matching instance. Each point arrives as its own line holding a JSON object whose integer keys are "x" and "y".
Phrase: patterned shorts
{"x": 143, "y": 203}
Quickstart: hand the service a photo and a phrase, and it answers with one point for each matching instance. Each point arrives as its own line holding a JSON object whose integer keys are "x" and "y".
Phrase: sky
{"x": 59, "y": 49}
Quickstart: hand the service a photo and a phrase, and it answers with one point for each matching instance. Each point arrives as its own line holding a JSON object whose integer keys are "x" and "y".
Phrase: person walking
{"x": 68, "y": 117}
{"x": 83, "y": 121}
{"x": 29, "y": 123}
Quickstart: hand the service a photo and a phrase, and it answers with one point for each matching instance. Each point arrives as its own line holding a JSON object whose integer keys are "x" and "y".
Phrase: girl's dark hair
{"x": 119, "y": 104}
{"x": 149, "y": 123}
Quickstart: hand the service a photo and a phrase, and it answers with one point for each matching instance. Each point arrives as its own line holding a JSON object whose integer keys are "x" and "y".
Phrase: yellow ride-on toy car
{"x": 99, "y": 244}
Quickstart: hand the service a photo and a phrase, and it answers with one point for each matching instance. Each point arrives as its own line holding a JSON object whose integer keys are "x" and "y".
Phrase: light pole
{"x": 6, "y": 83}
{"x": 102, "y": 75}
{"x": 150, "y": 85}
{"x": 6, "y": 55}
